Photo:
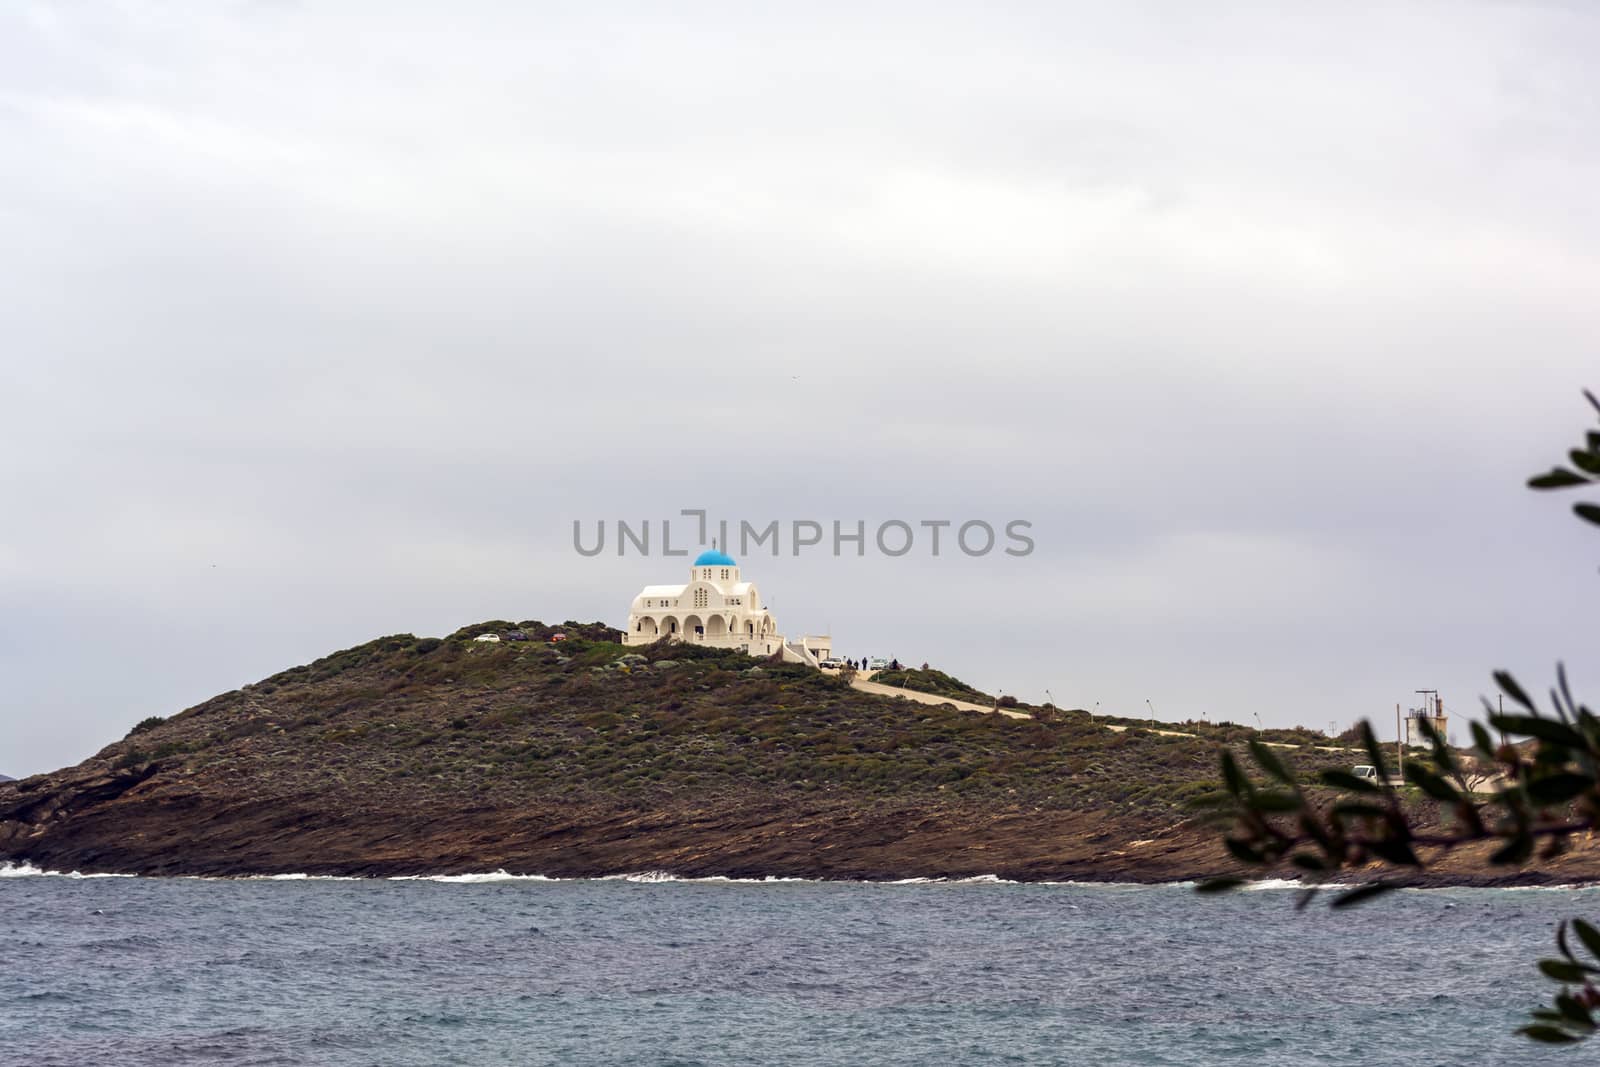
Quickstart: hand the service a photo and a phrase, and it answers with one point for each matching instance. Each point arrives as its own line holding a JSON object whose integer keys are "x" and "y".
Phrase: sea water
{"x": 491, "y": 969}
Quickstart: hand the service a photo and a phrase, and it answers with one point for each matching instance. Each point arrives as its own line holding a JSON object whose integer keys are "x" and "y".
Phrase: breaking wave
{"x": 483, "y": 878}
{"x": 28, "y": 870}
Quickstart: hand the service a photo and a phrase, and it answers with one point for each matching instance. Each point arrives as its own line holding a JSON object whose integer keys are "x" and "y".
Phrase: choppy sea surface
{"x": 490, "y": 969}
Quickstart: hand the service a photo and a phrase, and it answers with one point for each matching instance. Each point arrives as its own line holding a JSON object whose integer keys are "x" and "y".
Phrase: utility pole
{"x": 1399, "y": 743}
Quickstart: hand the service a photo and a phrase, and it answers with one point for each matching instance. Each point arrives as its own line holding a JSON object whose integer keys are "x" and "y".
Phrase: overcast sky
{"x": 321, "y": 321}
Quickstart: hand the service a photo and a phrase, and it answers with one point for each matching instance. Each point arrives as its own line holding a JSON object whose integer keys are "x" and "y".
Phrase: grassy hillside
{"x": 586, "y": 716}
{"x": 583, "y": 756}
{"x": 928, "y": 680}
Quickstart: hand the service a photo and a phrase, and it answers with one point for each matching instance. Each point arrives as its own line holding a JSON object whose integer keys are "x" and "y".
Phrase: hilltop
{"x": 583, "y": 757}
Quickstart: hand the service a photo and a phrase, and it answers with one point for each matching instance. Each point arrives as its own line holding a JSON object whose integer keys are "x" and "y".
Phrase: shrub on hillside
{"x": 933, "y": 681}
{"x": 146, "y": 724}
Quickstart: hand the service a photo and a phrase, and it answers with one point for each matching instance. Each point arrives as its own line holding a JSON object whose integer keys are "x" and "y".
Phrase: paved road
{"x": 864, "y": 683}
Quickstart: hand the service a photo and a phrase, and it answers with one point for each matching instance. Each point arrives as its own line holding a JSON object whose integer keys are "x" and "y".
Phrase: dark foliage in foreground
{"x": 1548, "y": 792}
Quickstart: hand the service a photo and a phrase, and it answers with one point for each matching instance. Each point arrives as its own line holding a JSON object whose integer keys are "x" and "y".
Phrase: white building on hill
{"x": 718, "y": 608}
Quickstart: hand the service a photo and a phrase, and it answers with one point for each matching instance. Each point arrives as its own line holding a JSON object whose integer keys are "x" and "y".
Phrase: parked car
{"x": 877, "y": 665}
{"x": 558, "y": 637}
{"x": 831, "y": 664}
{"x": 516, "y": 635}
{"x": 1368, "y": 773}
{"x": 487, "y": 637}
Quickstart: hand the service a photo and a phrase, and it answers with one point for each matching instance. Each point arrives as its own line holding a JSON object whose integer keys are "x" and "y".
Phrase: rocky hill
{"x": 581, "y": 757}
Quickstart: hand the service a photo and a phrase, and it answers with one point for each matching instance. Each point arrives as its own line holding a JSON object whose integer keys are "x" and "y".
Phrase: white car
{"x": 877, "y": 665}
{"x": 1368, "y": 773}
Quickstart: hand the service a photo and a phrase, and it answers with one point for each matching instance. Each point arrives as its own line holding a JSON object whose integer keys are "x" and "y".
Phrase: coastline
{"x": 174, "y": 825}
{"x": 9, "y": 870}
{"x": 427, "y": 758}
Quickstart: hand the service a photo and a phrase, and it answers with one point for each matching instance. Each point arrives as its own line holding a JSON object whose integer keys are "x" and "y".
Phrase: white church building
{"x": 716, "y": 607}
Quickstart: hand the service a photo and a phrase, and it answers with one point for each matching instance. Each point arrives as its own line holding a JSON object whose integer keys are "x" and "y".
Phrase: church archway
{"x": 671, "y": 626}
{"x": 716, "y": 626}
{"x": 694, "y": 628}
{"x": 647, "y": 627}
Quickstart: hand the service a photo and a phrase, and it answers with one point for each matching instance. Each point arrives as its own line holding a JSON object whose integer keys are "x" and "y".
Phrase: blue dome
{"x": 712, "y": 558}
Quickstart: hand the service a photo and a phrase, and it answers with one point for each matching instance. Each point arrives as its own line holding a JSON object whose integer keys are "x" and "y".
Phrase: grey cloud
{"x": 324, "y": 322}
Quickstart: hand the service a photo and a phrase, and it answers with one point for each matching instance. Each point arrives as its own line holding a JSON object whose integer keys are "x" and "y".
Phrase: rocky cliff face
{"x": 579, "y": 757}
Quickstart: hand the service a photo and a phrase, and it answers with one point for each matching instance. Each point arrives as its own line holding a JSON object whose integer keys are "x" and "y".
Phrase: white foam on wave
{"x": 28, "y": 870}
{"x": 653, "y": 877}
{"x": 480, "y": 878}
{"x": 1081, "y": 884}
{"x": 976, "y": 879}
{"x": 666, "y": 877}
{"x": 641, "y": 876}
{"x": 1338, "y": 887}
{"x": 1565, "y": 887}
{"x": 1268, "y": 884}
